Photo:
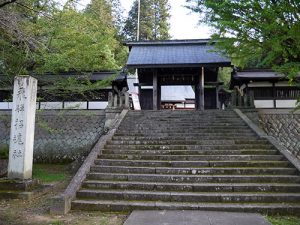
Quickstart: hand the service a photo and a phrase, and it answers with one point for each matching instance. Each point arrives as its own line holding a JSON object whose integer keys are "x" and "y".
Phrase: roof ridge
{"x": 169, "y": 42}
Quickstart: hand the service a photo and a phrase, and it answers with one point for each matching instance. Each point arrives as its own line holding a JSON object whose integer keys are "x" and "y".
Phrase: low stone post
{"x": 110, "y": 100}
{"x": 115, "y": 105}
{"x": 122, "y": 101}
{"x": 127, "y": 106}
{"x": 22, "y": 128}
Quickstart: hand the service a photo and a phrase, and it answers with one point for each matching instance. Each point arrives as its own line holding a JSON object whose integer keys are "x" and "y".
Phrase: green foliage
{"x": 77, "y": 87}
{"x": 255, "y": 33}
{"x": 80, "y": 43}
{"x": 4, "y": 151}
{"x": 284, "y": 220}
{"x": 49, "y": 172}
{"x": 225, "y": 76}
{"x": 154, "y": 20}
{"x": 254, "y": 29}
{"x": 48, "y": 37}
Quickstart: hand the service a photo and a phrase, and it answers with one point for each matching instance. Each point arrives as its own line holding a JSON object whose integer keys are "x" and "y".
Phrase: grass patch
{"x": 284, "y": 220}
{"x": 49, "y": 172}
{"x": 4, "y": 151}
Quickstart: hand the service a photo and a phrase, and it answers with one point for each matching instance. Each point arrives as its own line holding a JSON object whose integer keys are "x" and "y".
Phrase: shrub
{"x": 4, "y": 151}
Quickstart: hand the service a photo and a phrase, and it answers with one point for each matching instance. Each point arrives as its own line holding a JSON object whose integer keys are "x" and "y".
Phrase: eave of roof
{"x": 249, "y": 75}
{"x": 187, "y": 65}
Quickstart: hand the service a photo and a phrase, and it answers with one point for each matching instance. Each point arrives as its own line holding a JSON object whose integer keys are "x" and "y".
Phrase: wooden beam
{"x": 274, "y": 95}
{"x": 158, "y": 93}
{"x": 155, "y": 90}
{"x": 197, "y": 93}
{"x": 217, "y": 98}
{"x": 202, "y": 90}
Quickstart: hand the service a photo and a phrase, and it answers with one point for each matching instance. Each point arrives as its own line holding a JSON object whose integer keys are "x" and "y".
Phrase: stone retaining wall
{"x": 60, "y": 135}
{"x": 282, "y": 124}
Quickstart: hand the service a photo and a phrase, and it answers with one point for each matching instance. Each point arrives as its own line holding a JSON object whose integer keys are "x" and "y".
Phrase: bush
{"x": 4, "y": 151}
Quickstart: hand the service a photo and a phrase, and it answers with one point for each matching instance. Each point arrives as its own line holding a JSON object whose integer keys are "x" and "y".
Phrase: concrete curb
{"x": 295, "y": 161}
{"x": 61, "y": 204}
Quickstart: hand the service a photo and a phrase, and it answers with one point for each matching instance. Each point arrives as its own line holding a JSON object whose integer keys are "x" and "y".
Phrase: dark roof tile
{"x": 176, "y": 53}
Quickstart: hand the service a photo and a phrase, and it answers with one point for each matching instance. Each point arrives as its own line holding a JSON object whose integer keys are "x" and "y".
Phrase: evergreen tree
{"x": 260, "y": 33}
{"x": 161, "y": 25}
{"x": 41, "y": 36}
{"x": 154, "y": 18}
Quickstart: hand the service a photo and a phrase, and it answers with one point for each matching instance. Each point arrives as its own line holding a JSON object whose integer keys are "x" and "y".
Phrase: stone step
{"x": 191, "y": 152}
{"x": 187, "y": 131}
{"x": 196, "y": 124}
{"x": 187, "y": 119}
{"x": 117, "y": 162}
{"x": 184, "y": 142}
{"x": 186, "y": 138}
{"x": 185, "y": 114}
{"x": 192, "y": 187}
{"x": 142, "y": 127}
{"x": 175, "y": 159}
{"x": 9, "y": 194}
{"x": 18, "y": 185}
{"x": 195, "y": 170}
{"x": 195, "y": 178}
{"x": 194, "y": 157}
{"x": 128, "y": 206}
{"x": 181, "y": 123}
{"x": 192, "y": 147}
{"x": 198, "y": 135}
{"x": 134, "y": 195}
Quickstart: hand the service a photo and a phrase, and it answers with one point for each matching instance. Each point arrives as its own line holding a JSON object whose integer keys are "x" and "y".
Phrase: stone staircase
{"x": 189, "y": 160}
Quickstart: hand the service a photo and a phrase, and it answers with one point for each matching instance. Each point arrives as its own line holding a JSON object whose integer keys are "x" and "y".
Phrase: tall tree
{"x": 154, "y": 20}
{"x": 162, "y": 15}
{"x": 255, "y": 30}
{"x": 41, "y": 36}
{"x": 263, "y": 33}
{"x": 18, "y": 34}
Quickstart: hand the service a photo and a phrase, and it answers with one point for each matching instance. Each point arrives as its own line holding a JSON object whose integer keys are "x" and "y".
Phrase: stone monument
{"x": 22, "y": 128}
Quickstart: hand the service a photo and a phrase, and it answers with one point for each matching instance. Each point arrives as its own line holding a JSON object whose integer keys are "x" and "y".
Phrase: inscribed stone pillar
{"x": 22, "y": 128}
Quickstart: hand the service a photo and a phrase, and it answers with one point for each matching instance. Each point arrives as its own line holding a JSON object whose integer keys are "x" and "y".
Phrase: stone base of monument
{"x": 22, "y": 189}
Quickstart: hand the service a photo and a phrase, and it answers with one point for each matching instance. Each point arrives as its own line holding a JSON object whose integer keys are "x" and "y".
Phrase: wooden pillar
{"x": 202, "y": 89}
{"x": 217, "y": 98}
{"x": 155, "y": 90}
{"x": 158, "y": 93}
{"x": 197, "y": 93}
{"x": 274, "y": 95}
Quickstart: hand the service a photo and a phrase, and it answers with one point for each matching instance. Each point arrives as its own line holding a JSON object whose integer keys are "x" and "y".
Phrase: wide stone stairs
{"x": 189, "y": 160}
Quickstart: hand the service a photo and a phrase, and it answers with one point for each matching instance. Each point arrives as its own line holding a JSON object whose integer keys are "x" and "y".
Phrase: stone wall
{"x": 60, "y": 135}
{"x": 282, "y": 124}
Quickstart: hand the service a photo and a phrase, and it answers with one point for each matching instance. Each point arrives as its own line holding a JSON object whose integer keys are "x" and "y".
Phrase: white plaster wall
{"x": 98, "y": 105}
{"x": 286, "y": 103}
{"x": 51, "y": 105}
{"x": 75, "y": 105}
{"x": 5, "y": 105}
{"x": 263, "y": 103}
{"x": 282, "y": 84}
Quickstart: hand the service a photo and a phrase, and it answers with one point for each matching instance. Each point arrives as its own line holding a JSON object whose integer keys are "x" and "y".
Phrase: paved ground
{"x": 194, "y": 218}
